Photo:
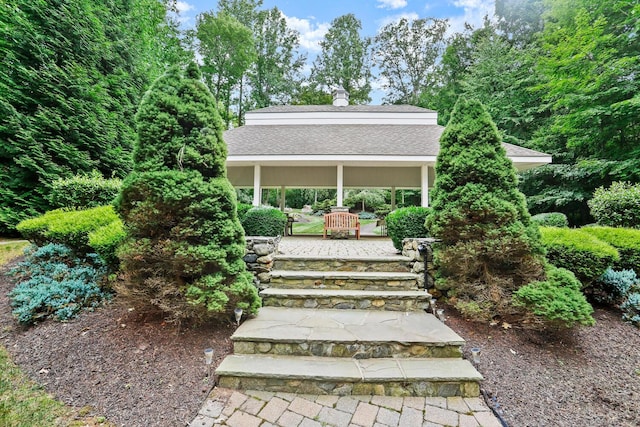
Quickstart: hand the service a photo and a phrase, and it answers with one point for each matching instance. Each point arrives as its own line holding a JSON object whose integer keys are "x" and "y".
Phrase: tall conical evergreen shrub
{"x": 185, "y": 246}
{"x": 490, "y": 246}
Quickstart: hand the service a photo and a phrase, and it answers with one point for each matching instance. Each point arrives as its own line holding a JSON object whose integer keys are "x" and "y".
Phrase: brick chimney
{"x": 340, "y": 97}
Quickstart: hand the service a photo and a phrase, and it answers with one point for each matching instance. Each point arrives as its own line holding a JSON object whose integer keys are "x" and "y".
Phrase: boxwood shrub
{"x": 551, "y": 219}
{"x": 264, "y": 221}
{"x": 617, "y": 206}
{"x": 407, "y": 222}
{"x": 84, "y": 191}
{"x": 625, "y": 240}
{"x": 556, "y": 301}
{"x": 68, "y": 227}
{"x": 578, "y": 251}
{"x": 243, "y": 208}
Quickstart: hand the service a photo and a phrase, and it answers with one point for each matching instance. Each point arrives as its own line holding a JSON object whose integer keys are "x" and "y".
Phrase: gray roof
{"x": 345, "y": 109}
{"x": 365, "y": 140}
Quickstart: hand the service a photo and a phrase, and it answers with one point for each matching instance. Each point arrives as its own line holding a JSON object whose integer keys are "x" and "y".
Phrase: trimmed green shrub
{"x": 612, "y": 287}
{"x": 625, "y": 240}
{"x": 324, "y": 206}
{"x": 551, "y": 219}
{"x": 68, "y": 227}
{"x": 34, "y": 229}
{"x": 52, "y": 282}
{"x": 366, "y": 215}
{"x": 578, "y": 251}
{"x": 243, "y": 208}
{"x": 184, "y": 247}
{"x": 105, "y": 241}
{"x": 490, "y": 247}
{"x": 556, "y": 301}
{"x": 617, "y": 206}
{"x": 264, "y": 221}
{"x": 365, "y": 200}
{"x": 382, "y": 211}
{"x": 407, "y": 222}
{"x": 84, "y": 191}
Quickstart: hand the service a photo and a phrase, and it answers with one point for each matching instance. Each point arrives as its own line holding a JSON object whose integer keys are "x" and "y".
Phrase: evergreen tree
{"x": 185, "y": 246}
{"x": 491, "y": 247}
{"x": 71, "y": 76}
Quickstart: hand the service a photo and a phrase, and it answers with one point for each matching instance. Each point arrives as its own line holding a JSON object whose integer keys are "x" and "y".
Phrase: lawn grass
{"x": 316, "y": 225}
{"x": 23, "y": 403}
{"x": 10, "y": 250}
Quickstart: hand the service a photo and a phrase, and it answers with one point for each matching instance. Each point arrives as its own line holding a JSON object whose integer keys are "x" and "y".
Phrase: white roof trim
{"x": 342, "y": 118}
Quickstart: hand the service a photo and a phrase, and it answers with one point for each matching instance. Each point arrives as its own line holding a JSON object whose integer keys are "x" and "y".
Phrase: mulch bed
{"x": 139, "y": 371}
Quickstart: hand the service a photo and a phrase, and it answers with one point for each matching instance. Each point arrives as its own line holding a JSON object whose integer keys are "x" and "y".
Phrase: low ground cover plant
{"x": 406, "y": 222}
{"x": 53, "y": 282}
{"x": 578, "y": 251}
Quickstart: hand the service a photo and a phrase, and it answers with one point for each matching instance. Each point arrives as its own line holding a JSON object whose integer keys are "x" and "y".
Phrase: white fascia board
{"x": 323, "y": 118}
{"x": 324, "y": 160}
{"x": 538, "y": 160}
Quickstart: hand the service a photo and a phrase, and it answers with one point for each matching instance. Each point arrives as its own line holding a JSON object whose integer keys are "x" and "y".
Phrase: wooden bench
{"x": 341, "y": 221}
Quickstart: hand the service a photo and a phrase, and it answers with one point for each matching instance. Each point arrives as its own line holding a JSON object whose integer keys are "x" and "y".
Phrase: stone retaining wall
{"x": 259, "y": 255}
{"x": 410, "y": 248}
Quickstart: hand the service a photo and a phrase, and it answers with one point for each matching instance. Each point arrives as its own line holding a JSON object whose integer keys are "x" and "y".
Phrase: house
{"x": 343, "y": 146}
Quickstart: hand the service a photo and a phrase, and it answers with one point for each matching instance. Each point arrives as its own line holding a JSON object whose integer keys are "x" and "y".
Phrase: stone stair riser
{"x": 382, "y": 388}
{"x": 341, "y": 265}
{"x": 348, "y": 303}
{"x": 358, "y": 350}
{"x": 339, "y": 283}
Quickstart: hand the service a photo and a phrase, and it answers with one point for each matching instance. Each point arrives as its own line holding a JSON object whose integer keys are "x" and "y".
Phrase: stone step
{"x": 353, "y": 280}
{"x": 346, "y": 299}
{"x": 442, "y": 377}
{"x": 346, "y": 333}
{"x": 390, "y": 263}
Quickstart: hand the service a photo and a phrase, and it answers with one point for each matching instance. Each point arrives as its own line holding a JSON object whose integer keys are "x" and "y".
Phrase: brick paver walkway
{"x": 232, "y": 408}
{"x": 316, "y": 246}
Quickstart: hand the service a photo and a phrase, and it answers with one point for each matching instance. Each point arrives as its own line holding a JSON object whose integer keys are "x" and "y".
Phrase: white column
{"x": 425, "y": 185}
{"x": 340, "y": 184}
{"x": 393, "y": 198}
{"x": 256, "y": 185}
{"x": 283, "y": 203}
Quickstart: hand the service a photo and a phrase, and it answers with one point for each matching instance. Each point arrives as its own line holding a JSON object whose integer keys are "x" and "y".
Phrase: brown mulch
{"x": 138, "y": 371}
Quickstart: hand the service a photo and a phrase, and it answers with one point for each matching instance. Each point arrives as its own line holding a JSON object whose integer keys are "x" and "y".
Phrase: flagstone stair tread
{"x": 384, "y": 258}
{"x": 274, "y": 324}
{"x": 348, "y": 369}
{"x": 353, "y": 275}
{"x": 343, "y": 293}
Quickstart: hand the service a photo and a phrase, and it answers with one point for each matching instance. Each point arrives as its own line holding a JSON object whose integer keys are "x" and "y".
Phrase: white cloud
{"x": 391, "y": 4}
{"x": 474, "y": 12}
{"x": 183, "y": 6}
{"x": 311, "y": 33}
{"x": 412, "y": 16}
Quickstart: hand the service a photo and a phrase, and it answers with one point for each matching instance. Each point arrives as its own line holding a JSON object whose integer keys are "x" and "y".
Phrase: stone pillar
{"x": 259, "y": 255}
{"x": 411, "y": 249}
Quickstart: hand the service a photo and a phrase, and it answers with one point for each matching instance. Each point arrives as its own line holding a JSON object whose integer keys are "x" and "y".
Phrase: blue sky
{"x": 312, "y": 18}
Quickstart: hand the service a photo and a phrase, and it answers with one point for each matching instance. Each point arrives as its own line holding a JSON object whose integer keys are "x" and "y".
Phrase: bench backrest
{"x": 341, "y": 220}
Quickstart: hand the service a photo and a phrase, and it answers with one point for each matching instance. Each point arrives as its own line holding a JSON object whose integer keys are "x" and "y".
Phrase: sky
{"x": 312, "y": 18}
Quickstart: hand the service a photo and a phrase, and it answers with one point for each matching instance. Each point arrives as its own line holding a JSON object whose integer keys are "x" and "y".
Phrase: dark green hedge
{"x": 578, "y": 251}
{"x": 264, "y": 221}
{"x": 407, "y": 222}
